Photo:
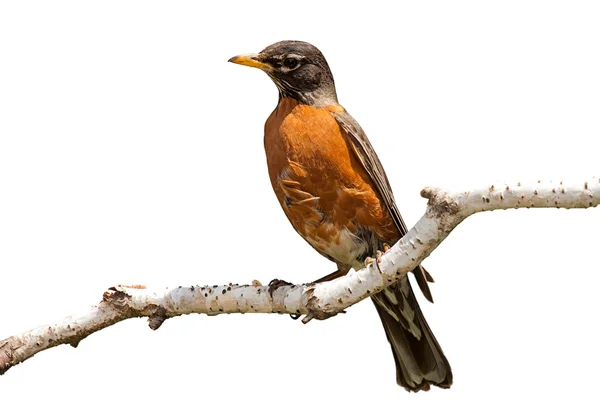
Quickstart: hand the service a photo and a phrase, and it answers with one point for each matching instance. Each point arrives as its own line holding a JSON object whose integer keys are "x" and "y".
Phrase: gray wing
{"x": 369, "y": 160}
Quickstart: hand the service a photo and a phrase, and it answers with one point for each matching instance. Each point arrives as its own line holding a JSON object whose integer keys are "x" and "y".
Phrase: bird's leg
{"x": 329, "y": 277}
{"x": 341, "y": 271}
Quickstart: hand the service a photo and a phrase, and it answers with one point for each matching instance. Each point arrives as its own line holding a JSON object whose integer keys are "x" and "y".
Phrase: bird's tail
{"x": 420, "y": 361}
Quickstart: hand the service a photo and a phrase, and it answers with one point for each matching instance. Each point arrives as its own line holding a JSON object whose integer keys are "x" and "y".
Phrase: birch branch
{"x": 445, "y": 210}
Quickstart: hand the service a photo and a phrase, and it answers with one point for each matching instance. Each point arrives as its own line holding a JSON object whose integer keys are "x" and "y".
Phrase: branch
{"x": 445, "y": 210}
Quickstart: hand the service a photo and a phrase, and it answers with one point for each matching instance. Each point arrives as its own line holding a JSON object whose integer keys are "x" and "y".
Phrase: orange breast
{"x": 320, "y": 183}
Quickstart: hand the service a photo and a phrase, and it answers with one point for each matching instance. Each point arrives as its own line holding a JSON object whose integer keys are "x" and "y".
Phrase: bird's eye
{"x": 290, "y": 63}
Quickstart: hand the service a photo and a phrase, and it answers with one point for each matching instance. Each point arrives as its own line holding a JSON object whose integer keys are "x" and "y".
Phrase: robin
{"x": 333, "y": 189}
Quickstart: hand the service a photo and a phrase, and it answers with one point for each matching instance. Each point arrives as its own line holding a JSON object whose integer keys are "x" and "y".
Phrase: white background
{"x": 131, "y": 152}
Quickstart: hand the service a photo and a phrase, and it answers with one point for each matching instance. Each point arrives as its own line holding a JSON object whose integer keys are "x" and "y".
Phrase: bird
{"x": 333, "y": 189}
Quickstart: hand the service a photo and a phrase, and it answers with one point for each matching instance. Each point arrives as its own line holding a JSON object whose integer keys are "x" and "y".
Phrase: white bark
{"x": 445, "y": 210}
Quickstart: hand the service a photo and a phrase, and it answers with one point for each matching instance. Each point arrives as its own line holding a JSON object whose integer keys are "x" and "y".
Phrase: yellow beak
{"x": 250, "y": 60}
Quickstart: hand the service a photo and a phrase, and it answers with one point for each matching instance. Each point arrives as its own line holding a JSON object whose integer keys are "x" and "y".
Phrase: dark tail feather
{"x": 422, "y": 277}
{"x": 420, "y": 361}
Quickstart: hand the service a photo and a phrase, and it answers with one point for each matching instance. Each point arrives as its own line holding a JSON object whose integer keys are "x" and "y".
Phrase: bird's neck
{"x": 321, "y": 97}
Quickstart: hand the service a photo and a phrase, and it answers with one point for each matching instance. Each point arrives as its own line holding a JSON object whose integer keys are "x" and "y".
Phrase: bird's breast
{"x": 319, "y": 182}
{"x": 306, "y": 135}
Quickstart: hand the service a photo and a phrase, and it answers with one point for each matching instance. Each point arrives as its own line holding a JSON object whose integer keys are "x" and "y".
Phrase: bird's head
{"x": 298, "y": 69}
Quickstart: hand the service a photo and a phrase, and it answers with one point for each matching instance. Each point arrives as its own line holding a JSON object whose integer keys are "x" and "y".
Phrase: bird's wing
{"x": 370, "y": 162}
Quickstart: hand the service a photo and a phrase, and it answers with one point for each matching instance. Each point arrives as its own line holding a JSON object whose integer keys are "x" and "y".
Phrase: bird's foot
{"x": 376, "y": 260}
{"x": 378, "y": 255}
{"x": 276, "y": 284}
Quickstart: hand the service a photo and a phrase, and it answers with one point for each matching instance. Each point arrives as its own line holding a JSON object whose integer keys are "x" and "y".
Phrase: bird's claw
{"x": 276, "y": 284}
{"x": 378, "y": 255}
